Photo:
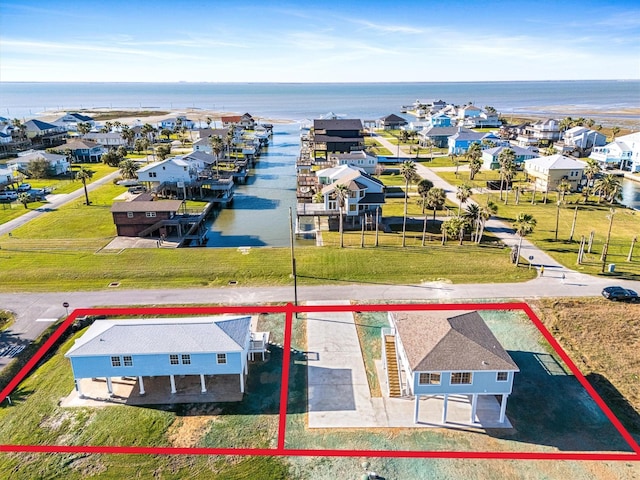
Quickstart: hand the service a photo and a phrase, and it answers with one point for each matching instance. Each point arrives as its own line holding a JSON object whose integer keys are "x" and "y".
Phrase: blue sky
{"x": 329, "y": 41}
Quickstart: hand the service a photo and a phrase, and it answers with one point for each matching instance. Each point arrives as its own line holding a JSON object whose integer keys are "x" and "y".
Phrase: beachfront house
{"x": 439, "y": 119}
{"x": 57, "y": 164}
{"x": 447, "y": 354}
{"x": 70, "y": 121}
{"x": 246, "y": 121}
{"x": 175, "y": 122}
{"x": 548, "y": 172}
{"x": 490, "y": 156}
{"x": 169, "y": 348}
{"x": 580, "y": 141}
{"x": 484, "y": 120}
{"x": 547, "y": 130}
{"x": 623, "y": 153}
{"x": 469, "y": 111}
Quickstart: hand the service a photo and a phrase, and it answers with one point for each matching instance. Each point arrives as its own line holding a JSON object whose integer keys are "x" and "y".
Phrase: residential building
{"x": 333, "y": 136}
{"x": 70, "y": 121}
{"x": 44, "y": 133}
{"x": 246, "y": 121}
{"x": 459, "y": 142}
{"x": 366, "y": 194}
{"x": 83, "y": 151}
{"x": 580, "y": 141}
{"x": 548, "y": 172}
{"x": 180, "y": 120}
{"x": 360, "y": 159}
{"x": 6, "y": 177}
{"x": 447, "y": 354}
{"x": 141, "y": 218}
{"x": 58, "y": 164}
{"x": 170, "y": 348}
{"x": 391, "y": 122}
{"x": 170, "y": 170}
{"x": 548, "y": 130}
{"x": 439, "y": 119}
{"x": 490, "y": 156}
{"x": 623, "y": 153}
{"x": 439, "y": 136}
{"x": 108, "y": 140}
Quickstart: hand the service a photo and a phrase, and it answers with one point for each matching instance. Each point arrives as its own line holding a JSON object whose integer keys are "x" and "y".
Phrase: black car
{"x": 620, "y": 294}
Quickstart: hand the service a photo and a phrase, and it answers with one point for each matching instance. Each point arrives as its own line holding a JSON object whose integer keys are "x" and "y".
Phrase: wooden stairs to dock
{"x": 393, "y": 376}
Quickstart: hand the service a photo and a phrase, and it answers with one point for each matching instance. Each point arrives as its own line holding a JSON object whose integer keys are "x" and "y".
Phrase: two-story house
{"x": 449, "y": 354}
{"x": 490, "y": 156}
{"x": 57, "y": 164}
{"x": 338, "y": 135}
{"x": 548, "y": 172}
{"x": 173, "y": 122}
{"x": 83, "y": 151}
{"x": 145, "y": 217}
{"x": 45, "y": 133}
{"x": 623, "y": 153}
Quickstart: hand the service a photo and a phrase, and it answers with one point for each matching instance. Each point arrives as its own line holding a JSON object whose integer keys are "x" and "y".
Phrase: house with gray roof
{"x": 490, "y": 156}
{"x": 446, "y": 353}
{"x": 391, "y": 122}
{"x": 171, "y": 348}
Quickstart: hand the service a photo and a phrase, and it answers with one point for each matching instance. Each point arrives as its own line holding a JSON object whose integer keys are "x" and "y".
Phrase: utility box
{"x": 612, "y": 267}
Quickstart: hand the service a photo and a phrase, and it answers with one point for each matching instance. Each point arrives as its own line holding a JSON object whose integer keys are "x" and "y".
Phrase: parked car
{"x": 8, "y": 196}
{"x": 620, "y": 294}
{"x": 24, "y": 187}
{"x": 37, "y": 194}
{"x": 137, "y": 189}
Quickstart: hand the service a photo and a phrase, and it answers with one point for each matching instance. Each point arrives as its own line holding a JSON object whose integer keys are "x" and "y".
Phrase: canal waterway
{"x": 259, "y": 215}
{"x": 631, "y": 194}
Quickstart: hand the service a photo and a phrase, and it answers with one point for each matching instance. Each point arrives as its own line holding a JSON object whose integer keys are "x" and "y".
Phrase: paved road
{"x": 55, "y": 202}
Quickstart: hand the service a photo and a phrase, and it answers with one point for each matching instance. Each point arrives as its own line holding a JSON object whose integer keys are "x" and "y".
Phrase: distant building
{"x": 360, "y": 159}
{"x": 335, "y": 136}
{"x": 391, "y": 122}
{"x": 58, "y": 164}
{"x": 622, "y": 153}
{"x": 83, "y": 151}
{"x": 490, "y": 156}
{"x": 173, "y": 122}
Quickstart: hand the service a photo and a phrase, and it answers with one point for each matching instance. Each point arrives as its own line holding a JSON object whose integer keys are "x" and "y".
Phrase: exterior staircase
{"x": 393, "y": 375}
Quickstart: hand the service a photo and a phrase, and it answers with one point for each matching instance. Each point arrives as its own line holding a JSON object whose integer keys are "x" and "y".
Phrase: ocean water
{"x": 301, "y": 100}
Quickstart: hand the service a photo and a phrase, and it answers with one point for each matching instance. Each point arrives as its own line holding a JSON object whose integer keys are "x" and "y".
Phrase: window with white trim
{"x": 151, "y": 214}
{"x": 186, "y": 359}
{"x": 461, "y": 378}
{"x": 129, "y": 214}
{"x": 173, "y": 359}
{"x": 115, "y": 362}
{"x": 428, "y": 378}
{"x": 502, "y": 376}
{"x": 221, "y": 358}
{"x": 127, "y": 360}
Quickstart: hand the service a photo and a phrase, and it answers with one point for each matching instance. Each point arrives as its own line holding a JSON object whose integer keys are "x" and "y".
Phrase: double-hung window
{"x": 429, "y": 378}
{"x": 461, "y": 378}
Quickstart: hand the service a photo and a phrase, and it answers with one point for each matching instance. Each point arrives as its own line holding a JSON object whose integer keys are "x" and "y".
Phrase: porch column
{"x": 173, "y": 383}
{"x": 474, "y": 406}
{"x": 444, "y": 408}
{"x": 503, "y": 407}
{"x": 241, "y": 383}
{"x": 417, "y": 408}
{"x": 203, "y": 387}
{"x": 109, "y": 387}
{"x": 141, "y": 383}
{"x": 79, "y": 388}
{"x": 246, "y": 367}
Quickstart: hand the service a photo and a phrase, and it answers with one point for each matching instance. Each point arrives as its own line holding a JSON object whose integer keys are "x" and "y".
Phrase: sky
{"x": 327, "y": 41}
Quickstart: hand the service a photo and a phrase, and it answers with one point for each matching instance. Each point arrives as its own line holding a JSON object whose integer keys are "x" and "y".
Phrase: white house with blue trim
{"x": 445, "y": 353}
{"x": 162, "y": 347}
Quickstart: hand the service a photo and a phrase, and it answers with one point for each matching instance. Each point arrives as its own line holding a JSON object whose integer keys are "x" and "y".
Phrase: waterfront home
{"x": 70, "y": 121}
{"x": 169, "y": 348}
{"x": 490, "y": 156}
{"x": 44, "y": 133}
{"x": 623, "y": 153}
{"x": 444, "y": 354}
{"x": 391, "y": 122}
{"x": 548, "y": 172}
{"x": 179, "y": 121}
{"x": 359, "y": 159}
{"x": 246, "y": 121}
{"x": 108, "y": 139}
{"x": 468, "y": 111}
{"x": 57, "y": 164}
{"x": 484, "y": 120}
{"x": 172, "y": 170}
{"x": 6, "y": 177}
{"x": 459, "y": 142}
{"x": 439, "y": 119}
{"x": 547, "y": 130}
{"x": 579, "y": 141}
{"x": 83, "y": 151}
{"x": 204, "y": 133}
{"x": 147, "y": 217}
{"x": 331, "y": 136}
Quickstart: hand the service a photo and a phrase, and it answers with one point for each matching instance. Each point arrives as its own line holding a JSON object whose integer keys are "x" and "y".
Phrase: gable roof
{"x": 516, "y": 149}
{"x": 175, "y": 160}
{"x": 162, "y": 336}
{"x": 338, "y": 124}
{"x": 77, "y": 144}
{"x": 450, "y": 341}
{"x": 39, "y": 125}
{"x": 201, "y": 156}
{"x": 147, "y": 206}
{"x": 393, "y": 118}
{"x": 78, "y": 117}
{"x": 469, "y": 135}
{"x": 443, "y": 131}
{"x": 231, "y": 119}
{"x": 556, "y": 162}
{"x": 32, "y": 155}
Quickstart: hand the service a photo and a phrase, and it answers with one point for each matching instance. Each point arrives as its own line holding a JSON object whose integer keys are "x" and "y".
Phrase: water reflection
{"x": 259, "y": 215}
{"x": 631, "y": 193}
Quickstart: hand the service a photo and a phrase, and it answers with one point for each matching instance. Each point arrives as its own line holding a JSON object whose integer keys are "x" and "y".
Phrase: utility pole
{"x": 293, "y": 262}
{"x": 605, "y": 249}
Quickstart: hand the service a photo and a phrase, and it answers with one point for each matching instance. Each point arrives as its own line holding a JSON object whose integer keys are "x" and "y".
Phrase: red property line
{"x": 289, "y": 311}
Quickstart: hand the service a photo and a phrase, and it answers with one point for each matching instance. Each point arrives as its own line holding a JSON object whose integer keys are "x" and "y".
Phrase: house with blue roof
{"x": 460, "y": 141}
{"x": 490, "y": 156}
{"x": 169, "y": 348}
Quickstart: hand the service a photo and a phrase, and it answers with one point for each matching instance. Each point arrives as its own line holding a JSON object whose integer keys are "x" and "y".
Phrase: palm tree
{"x": 590, "y": 171}
{"x": 475, "y": 163}
{"x": 615, "y": 130}
{"x": 507, "y": 167}
{"x": 523, "y": 224}
{"x": 609, "y": 187}
{"x": 24, "y": 198}
{"x": 128, "y": 134}
{"x": 341, "y": 193}
{"x": 83, "y": 175}
{"x": 208, "y": 121}
{"x": 472, "y": 216}
{"x": 128, "y": 168}
{"x": 550, "y": 150}
{"x": 217, "y": 146}
{"x": 408, "y": 170}
{"x": 563, "y": 188}
{"x": 486, "y": 213}
{"x": 463, "y": 194}
{"x": 455, "y": 226}
{"x": 424, "y": 186}
{"x": 83, "y": 128}
{"x": 166, "y": 132}
{"x": 436, "y": 198}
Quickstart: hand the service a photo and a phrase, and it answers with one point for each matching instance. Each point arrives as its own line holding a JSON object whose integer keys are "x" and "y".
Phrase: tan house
{"x": 549, "y": 172}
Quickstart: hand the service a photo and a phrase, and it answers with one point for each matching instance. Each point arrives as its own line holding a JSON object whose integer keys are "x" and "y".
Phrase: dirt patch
{"x": 603, "y": 339}
{"x": 187, "y": 430}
